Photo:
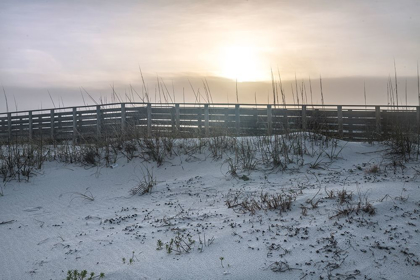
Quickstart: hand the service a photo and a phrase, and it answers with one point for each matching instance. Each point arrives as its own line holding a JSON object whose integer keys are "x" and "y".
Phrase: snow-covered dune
{"x": 356, "y": 216}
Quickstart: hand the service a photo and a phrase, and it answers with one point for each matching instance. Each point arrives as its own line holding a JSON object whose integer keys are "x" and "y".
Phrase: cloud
{"x": 94, "y": 42}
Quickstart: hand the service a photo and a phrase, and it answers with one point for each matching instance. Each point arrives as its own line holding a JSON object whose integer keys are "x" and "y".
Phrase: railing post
{"x": 9, "y": 125}
{"x": 3, "y": 125}
{"x": 418, "y": 119}
{"x": 378, "y": 120}
{"x": 269, "y": 120}
{"x": 285, "y": 120}
{"x": 255, "y": 115}
{"x": 40, "y": 126}
{"x": 21, "y": 126}
{"x": 199, "y": 120}
{"x": 74, "y": 125}
{"x": 52, "y": 123}
{"x": 237, "y": 120}
{"x": 304, "y": 126}
{"x": 149, "y": 120}
{"x": 98, "y": 122}
{"x": 206, "y": 119}
{"x": 350, "y": 123}
{"x": 340, "y": 120}
{"x": 177, "y": 117}
{"x": 30, "y": 129}
{"x": 226, "y": 112}
{"x": 59, "y": 122}
{"x": 123, "y": 118}
{"x": 173, "y": 122}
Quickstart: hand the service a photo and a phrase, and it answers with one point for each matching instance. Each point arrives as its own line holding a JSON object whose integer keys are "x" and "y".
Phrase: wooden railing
{"x": 350, "y": 122}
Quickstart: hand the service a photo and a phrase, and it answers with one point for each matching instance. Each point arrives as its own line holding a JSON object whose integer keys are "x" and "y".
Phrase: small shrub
{"x": 344, "y": 196}
{"x": 374, "y": 169}
{"x": 19, "y": 161}
{"x": 146, "y": 184}
{"x": 314, "y": 203}
{"x": 366, "y": 207}
{"x": 402, "y": 141}
{"x": 155, "y": 149}
{"x": 129, "y": 150}
{"x": 343, "y": 212}
{"x": 159, "y": 245}
{"x": 275, "y": 151}
{"x": 232, "y": 167}
{"x": 244, "y": 178}
{"x": 204, "y": 243}
{"x": 316, "y": 164}
{"x": 180, "y": 244}
{"x": 90, "y": 156}
{"x": 363, "y": 204}
{"x": 265, "y": 201}
{"x": 330, "y": 193}
{"x": 304, "y": 210}
{"x": 245, "y": 154}
{"x": 335, "y": 150}
{"x": 85, "y": 196}
{"x": 130, "y": 260}
{"x": 219, "y": 145}
{"x": 110, "y": 155}
{"x": 280, "y": 266}
{"x": 82, "y": 275}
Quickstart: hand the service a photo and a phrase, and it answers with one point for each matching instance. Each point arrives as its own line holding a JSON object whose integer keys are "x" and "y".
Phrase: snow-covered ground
{"x": 49, "y": 227}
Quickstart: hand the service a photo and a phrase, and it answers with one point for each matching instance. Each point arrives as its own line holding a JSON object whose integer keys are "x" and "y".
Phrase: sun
{"x": 242, "y": 63}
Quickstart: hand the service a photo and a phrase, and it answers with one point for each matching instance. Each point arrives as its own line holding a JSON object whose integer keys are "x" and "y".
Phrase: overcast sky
{"x": 68, "y": 44}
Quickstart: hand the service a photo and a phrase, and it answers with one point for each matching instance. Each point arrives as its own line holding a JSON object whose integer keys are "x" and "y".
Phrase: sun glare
{"x": 242, "y": 63}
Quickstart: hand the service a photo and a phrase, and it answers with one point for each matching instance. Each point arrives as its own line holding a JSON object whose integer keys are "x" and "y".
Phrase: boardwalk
{"x": 349, "y": 122}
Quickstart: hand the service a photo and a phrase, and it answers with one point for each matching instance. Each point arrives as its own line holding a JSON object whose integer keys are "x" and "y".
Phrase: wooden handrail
{"x": 216, "y": 104}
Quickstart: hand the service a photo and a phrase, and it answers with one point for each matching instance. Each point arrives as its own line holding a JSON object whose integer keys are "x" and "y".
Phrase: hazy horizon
{"x": 344, "y": 91}
{"x": 61, "y": 46}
